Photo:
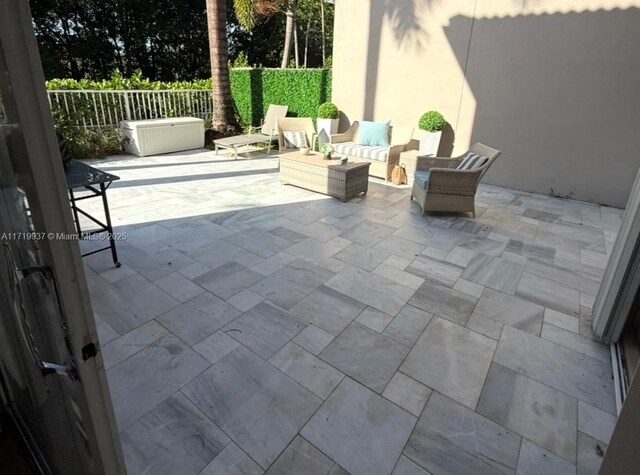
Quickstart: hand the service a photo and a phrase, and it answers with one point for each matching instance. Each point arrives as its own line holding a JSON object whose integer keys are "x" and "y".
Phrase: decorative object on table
{"x": 328, "y": 118}
{"x": 344, "y": 160}
{"x": 398, "y": 175}
{"x": 326, "y": 150}
{"x": 304, "y": 150}
{"x": 431, "y": 124}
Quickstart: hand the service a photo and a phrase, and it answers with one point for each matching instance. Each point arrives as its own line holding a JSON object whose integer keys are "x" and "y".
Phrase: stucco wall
{"x": 557, "y": 90}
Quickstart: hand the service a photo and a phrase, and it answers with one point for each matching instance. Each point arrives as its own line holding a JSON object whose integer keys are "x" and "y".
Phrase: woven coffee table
{"x": 330, "y": 177}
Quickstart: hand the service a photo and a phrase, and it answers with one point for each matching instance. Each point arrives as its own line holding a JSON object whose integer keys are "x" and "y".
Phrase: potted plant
{"x": 328, "y": 118}
{"x": 430, "y": 124}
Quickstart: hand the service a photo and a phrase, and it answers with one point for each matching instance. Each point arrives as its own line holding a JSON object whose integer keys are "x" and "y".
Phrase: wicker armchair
{"x": 296, "y": 124}
{"x": 445, "y": 188}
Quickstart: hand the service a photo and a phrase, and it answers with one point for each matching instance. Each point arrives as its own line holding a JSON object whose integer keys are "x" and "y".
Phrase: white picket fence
{"x": 105, "y": 109}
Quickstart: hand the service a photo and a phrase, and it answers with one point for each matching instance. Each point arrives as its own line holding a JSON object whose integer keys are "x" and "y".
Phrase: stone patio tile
{"x": 314, "y": 250}
{"x": 179, "y": 287}
{"x": 444, "y": 302}
{"x": 531, "y": 251}
{"x": 194, "y": 270}
{"x": 435, "y": 270}
{"x": 313, "y": 373}
{"x": 106, "y": 333}
{"x": 366, "y": 356}
{"x": 117, "y": 273}
{"x": 232, "y": 461}
{"x": 576, "y": 342}
{"x": 287, "y": 286}
{"x": 407, "y": 393}
{"x": 121, "y": 348}
{"x": 374, "y": 290}
{"x": 368, "y": 233}
{"x": 365, "y": 257}
{"x": 509, "y": 310}
{"x": 406, "y": 467}
{"x": 328, "y": 309}
{"x": 549, "y": 293}
{"x": 228, "y": 279}
{"x": 287, "y": 234}
{"x": 301, "y": 457}
{"x": 399, "y": 263}
{"x": 562, "y": 320}
{"x": 573, "y": 373}
{"x": 590, "y": 454}
{"x": 408, "y": 325}
{"x": 400, "y": 247}
{"x": 174, "y": 437}
{"x": 145, "y": 379}
{"x": 595, "y": 422}
{"x": 374, "y": 319}
{"x": 535, "y": 411}
{"x": 450, "y": 438}
{"x": 468, "y": 287}
{"x": 460, "y": 256}
{"x": 245, "y": 300}
{"x": 216, "y": 254}
{"x": 485, "y": 326}
{"x": 535, "y": 460}
{"x": 216, "y": 346}
{"x": 259, "y": 407}
{"x": 313, "y": 339}
{"x": 401, "y": 277}
{"x": 494, "y": 272}
{"x": 259, "y": 242}
{"x": 303, "y": 215}
{"x": 198, "y": 318}
{"x": 351, "y": 411}
{"x": 264, "y": 328}
{"x": 274, "y": 263}
{"x": 452, "y": 360}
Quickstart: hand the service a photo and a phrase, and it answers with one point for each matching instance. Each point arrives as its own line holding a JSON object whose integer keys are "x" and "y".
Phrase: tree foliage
{"x": 165, "y": 39}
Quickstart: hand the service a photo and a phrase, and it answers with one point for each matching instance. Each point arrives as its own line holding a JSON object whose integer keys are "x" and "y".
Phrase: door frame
{"x": 63, "y": 256}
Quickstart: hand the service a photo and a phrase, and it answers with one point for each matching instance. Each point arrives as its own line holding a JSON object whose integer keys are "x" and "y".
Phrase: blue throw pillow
{"x": 375, "y": 134}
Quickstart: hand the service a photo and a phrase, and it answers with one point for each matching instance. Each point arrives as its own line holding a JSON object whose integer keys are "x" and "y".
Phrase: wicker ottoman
{"x": 329, "y": 177}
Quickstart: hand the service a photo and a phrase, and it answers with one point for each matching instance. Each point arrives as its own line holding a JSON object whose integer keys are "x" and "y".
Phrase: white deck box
{"x": 155, "y": 136}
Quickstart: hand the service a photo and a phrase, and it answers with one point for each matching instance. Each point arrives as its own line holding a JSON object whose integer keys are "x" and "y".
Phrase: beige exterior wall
{"x": 555, "y": 87}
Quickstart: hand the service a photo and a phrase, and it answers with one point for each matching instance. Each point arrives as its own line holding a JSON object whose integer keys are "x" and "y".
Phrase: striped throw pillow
{"x": 472, "y": 161}
{"x": 295, "y": 139}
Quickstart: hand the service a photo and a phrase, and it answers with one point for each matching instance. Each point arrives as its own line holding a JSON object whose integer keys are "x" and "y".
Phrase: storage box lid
{"x": 168, "y": 122}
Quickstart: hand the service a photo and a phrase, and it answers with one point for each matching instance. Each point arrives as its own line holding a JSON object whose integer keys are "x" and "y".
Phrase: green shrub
{"x": 328, "y": 110}
{"x": 431, "y": 121}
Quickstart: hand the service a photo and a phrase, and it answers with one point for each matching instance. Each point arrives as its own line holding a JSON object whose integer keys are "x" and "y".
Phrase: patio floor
{"x": 259, "y": 327}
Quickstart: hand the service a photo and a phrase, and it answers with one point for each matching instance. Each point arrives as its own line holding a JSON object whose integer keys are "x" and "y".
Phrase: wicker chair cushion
{"x": 295, "y": 139}
{"x": 421, "y": 178}
{"x": 362, "y": 151}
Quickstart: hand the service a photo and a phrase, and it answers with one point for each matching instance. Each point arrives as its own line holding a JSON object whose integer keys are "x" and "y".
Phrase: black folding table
{"x": 88, "y": 178}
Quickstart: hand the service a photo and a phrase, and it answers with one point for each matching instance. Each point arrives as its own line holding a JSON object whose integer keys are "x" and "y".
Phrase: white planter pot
{"x": 430, "y": 142}
{"x": 330, "y": 126}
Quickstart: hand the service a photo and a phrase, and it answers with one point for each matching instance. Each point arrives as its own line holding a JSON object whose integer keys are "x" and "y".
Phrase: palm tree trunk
{"x": 288, "y": 35}
{"x": 296, "y": 49}
{"x": 223, "y": 119}
{"x": 306, "y": 40}
{"x": 324, "y": 55}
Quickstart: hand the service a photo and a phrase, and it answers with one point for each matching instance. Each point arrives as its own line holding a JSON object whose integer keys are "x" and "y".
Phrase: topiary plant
{"x": 328, "y": 110}
{"x": 431, "y": 121}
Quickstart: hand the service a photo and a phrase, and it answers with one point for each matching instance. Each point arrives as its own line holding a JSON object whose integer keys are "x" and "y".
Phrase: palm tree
{"x": 224, "y": 119}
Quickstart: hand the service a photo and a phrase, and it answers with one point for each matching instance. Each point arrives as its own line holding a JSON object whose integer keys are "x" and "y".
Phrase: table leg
{"x": 76, "y": 217}
{"x": 112, "y": 242}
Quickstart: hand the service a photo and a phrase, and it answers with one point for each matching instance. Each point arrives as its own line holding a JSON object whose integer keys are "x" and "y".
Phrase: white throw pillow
{"x": 295, "y": 139}
{"x": 472, "y": 161}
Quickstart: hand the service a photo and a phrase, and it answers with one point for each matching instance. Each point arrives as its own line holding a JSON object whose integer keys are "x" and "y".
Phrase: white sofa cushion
{"x": 361, "y": 151}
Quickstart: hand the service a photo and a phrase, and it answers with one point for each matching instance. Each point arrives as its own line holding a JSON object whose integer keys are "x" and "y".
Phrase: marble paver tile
{"x": 264, "y": 328}
{"x": 435, "y": 270}
{"x": 313, "y": 373}
{"x": 406, "y": 467}
{"x": 408, "y": 325}
{"x": 198, "y": 318}
{"x": 313, "y": 339}
{"x": 374, "y": 319}
{"x": 562, "y": 320}
{"x": 485, "y": 326}
{"x": 595, "y": 422}
{"x": 509, "y": 310}
{"x": 529, "y": 408}
{"x": 452, "y": 360}
{"x": 179, "y": 287}
{"x": 534, "y": 460}
{"x": 174, "y": 437}
{"x": 590, "y": 454}
{"x": 444, "y": 302}
{"x": 494, "y": 272}
{"x": 353, "y": 410}
{"x": 232, "y": 461}
{"x": 573, "y": 373}
{"x": 314, "y": 250}
{"x": 259, "y": 407}
{"x": 216, "y": 346}
{"x": 548, "y": 293}
{"x": 365, "y": 257}
{"x": 287, "y": 286}
{"x": 374, "y": 290}
{"x": 576, "y": 342}
{"x": 407, "y": 393}
{"x": 300, "y": 457}
{"x": 450, "y": 438}
{"x": 228, "y": 279}
{"x": 121, "y": 348}
{"x": 328, "y": 309}
{"x": 366, "y": 356}
{"x": 151, "y": 375}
